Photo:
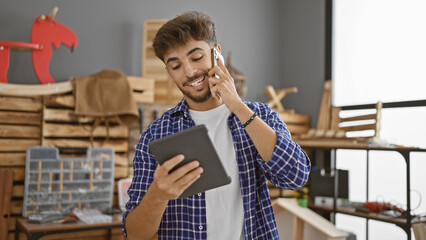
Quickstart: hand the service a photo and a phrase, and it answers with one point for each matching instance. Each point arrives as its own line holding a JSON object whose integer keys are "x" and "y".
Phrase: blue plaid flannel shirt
{"x": 185, "y": 218}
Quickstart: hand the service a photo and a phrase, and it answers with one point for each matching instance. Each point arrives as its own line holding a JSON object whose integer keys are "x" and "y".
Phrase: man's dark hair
{"x": 178, "y": 31}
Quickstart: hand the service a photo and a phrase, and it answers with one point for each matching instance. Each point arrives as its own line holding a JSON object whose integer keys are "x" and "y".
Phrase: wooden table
{"x": 36, "y": 230}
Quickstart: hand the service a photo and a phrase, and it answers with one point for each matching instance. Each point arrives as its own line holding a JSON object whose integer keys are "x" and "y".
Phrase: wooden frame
{"x": 166, "y": 91}
{"x": 297, "y": 223}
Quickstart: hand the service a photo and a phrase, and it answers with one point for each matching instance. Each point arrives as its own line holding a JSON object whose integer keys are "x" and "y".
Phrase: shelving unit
{"x": 334, "y": 144}
{"x": 53, "y": 184}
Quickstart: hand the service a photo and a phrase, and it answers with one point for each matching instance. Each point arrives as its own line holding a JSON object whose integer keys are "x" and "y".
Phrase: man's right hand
{"x": 167, "y": 186}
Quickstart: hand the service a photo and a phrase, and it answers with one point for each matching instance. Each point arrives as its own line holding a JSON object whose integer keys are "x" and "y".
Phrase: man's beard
{"x": 203, "y": 94}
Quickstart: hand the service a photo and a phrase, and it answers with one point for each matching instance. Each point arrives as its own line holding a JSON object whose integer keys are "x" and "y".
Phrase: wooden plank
{"x": 20, "y": 104}
{"x": 116, "y": 234}
{"x": 298, "y": 226}
{"x": 35, "y": 90}
{"x": 18, "y": 173}
{"x": 16, "y": 207}
{"x": 297, "y": 129}
{"x": 58, "y": 115}
{"x": 64, "y": 115}
{"x": 100, "y": 234}
{"x": 335, "y": 118}
{"x": 308, "y": 217}
{"x": 12, "y": 159}
{"x": 325, "y": 107}
{"x": 143, "y": 97}
{"x": 359, "y": 118}
{"x": 67, "y": 130}
{"x": 12, "y": 223}
{"x": 6, "y": 180}
{"x": 14, "y": 131}
{"x": 18, "y": 191}
{"x": 27, "y": 118}
{"x": 333, "y": 143}
{"x": 60, "y": 101}
{"x": 121, "y": 159}
{"x": 117, "y": 145}
{"x": 294, "y": 118}
{"x": 121, "y": 172}
{"x": 419, "y": 230}
{"x": 359, "y": 128}
{"x": 141, "y": 83}
{"x": 17, "y": 145}
{"x": 379, "y": 107}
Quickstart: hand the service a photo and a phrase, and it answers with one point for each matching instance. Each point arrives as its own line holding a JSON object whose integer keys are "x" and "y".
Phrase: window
{"x": 379, "y": 54}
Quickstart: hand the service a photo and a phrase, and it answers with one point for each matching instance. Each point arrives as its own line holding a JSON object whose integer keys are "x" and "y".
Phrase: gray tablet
{"x": 195, "y": 144}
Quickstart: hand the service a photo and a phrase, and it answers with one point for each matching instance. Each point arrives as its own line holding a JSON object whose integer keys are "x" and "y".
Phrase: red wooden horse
{"x": 45, "y": 31}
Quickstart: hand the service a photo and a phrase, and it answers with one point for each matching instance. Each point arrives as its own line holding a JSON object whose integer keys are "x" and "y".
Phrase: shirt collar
{"x": 181, "y": 107}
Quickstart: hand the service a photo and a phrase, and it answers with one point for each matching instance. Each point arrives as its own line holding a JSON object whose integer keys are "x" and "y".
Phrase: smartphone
{"x": 215, "y": 56}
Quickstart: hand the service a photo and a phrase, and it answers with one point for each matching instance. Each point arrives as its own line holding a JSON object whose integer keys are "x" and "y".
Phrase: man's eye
{"x": 176, "y": 67}
{"x": 198, "y": 59}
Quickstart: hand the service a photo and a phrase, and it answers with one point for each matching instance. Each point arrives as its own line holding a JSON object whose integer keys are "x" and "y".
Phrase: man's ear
{"x": 167, "y": 70}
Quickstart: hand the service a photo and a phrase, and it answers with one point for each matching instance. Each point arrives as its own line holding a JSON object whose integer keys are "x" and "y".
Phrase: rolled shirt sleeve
{"x": 289, "y": 165}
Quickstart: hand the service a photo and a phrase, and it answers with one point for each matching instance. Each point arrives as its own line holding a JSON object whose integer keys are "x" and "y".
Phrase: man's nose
{"x": 189, "y": 70}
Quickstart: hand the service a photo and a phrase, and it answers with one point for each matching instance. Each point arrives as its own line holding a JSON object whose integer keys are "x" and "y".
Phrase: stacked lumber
{"x": 20, "y": 128}
{"x": 343, "y": 123}
{"x": 48, "y": 120}
{"x": 166, "y": 91}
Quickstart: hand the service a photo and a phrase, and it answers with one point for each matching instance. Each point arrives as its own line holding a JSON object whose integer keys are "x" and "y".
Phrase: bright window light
{"x": 379, "y": 54}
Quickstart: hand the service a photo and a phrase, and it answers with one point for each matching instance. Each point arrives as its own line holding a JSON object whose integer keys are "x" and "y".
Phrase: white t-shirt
{"x": 224, "y": 205}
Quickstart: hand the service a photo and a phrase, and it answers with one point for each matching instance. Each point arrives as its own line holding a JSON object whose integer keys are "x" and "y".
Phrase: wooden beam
{"x": 17, "y": 145}
{"x": 68, "y": 131}
{"x": 20, "y": 104}
{"x": 15, "y": 131}
{"x": 34, "y": 90}
{"x": 359, "y": 128}
{"x": 59, "y": 101}
{"x": 297, "y": 129}
{"x": 298, "y": 227}
{"x": 117, "y": 145}
{"x": 325, "y": 108}
{"x": 294, "y": 118}
{"x": 27, "y": 118}
{"x": 6, "y": 180}
{"x": 359, "y": 118}
{"x": 12, "y": 159}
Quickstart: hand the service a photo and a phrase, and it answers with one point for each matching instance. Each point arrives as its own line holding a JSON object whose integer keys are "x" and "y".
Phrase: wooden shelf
{"x": 372, "y": 216}
{"x": 332, "y": 145}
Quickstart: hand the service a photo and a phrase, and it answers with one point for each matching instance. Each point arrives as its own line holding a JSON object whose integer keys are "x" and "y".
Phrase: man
{"x": 253, "y": 142}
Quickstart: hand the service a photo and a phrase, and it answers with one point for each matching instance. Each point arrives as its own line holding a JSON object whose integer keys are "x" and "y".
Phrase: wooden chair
{"x": 357, "y": 123}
